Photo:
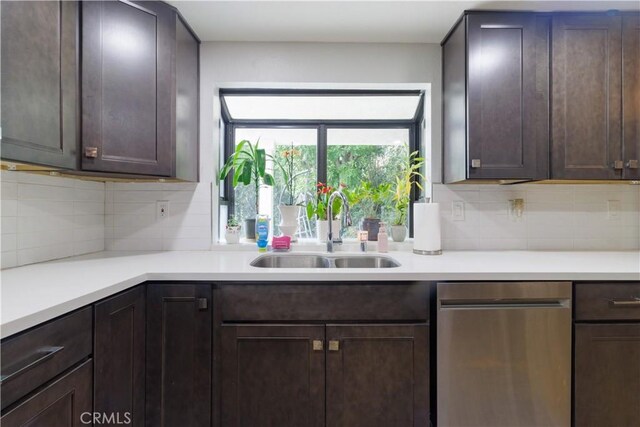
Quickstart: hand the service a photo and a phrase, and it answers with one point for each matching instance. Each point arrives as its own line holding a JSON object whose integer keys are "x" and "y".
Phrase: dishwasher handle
{"x": 492, "y": 304}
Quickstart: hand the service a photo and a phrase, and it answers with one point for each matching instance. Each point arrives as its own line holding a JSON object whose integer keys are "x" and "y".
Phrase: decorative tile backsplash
{"x": 133, "y": 221}
{"x": 555, "y": 217}
{"x": 48, "y": 217}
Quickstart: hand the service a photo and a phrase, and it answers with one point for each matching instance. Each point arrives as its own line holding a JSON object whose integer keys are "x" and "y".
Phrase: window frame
{"x": 413, "y": 125}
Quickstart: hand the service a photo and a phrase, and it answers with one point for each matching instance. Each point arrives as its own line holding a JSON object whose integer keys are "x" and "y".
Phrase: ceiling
{"x": 350, "y": 21}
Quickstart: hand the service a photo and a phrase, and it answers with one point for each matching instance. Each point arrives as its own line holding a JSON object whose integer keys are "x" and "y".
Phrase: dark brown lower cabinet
{"x": 280, "y": 375}
{"x": 377, "y": 375}
{"x": 119, "y": 356}
{"x": 273, "y": 376}
{"x": 179, "y": 355}
{"x": 66, "y": 402}
{"x": 607, "y": 375}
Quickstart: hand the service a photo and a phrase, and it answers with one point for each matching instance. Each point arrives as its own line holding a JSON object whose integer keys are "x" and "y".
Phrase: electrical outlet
{"x": 613, "y": 209}
{"x": 457, "y": 210}
{"x": 162, "y": 209}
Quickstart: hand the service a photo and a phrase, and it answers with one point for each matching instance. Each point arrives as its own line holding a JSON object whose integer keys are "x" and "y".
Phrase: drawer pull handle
{"x": 635, "y": 302}
{"x": 30, "y": 362}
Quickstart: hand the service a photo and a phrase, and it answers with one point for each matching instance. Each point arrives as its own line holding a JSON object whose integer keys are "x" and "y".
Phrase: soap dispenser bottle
{"x": 383, "y": 239}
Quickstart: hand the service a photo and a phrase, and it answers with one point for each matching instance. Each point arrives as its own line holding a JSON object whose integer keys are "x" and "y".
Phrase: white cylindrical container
{"x": 426, "y": 229}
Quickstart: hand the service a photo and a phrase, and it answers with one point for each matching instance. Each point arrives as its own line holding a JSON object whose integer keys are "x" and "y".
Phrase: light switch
{"x": 613, "y": 209}
{"x": 162, "y": 209}
{"x": 457, "y": 210}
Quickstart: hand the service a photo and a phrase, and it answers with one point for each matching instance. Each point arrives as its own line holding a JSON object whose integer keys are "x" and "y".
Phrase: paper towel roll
{"x": 426, "y": 229}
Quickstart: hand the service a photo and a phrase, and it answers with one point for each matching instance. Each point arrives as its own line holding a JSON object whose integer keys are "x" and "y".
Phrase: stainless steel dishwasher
{"x": 504, "y": 354}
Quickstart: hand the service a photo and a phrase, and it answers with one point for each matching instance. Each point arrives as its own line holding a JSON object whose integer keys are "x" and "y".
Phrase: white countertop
{"x": 36, "y": 293}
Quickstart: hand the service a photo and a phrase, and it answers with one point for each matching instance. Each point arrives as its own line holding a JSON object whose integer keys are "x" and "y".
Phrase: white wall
{"x": 46, "y": 217}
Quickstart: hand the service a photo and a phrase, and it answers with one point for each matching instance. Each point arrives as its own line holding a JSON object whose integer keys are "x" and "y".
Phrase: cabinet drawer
{"x": 64, "y": 402}
{"x": 608, "y": 301}
{"x": 34, "y": 357}
{"x": 309, "y": 302}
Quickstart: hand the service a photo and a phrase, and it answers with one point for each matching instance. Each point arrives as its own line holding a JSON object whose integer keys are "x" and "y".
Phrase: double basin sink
{"x": 324, "y": 261}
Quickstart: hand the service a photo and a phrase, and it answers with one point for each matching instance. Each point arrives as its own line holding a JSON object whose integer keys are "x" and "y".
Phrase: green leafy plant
{"x": 232, "y": 222}
{"x": 408, "y": 177}
{"x": 318, "y": 207}
{"x": 249, "y": 163}
{"x": 371, "y": 198}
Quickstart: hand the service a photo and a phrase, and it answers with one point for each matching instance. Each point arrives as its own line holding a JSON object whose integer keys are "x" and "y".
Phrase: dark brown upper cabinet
{"x": 631, "y": 94}
{"x": 587, "y": 89}
{"x": 187, "y": 102}
{"x": 39, "y": 82}
{"x": 496, "y": 97}
{"x": 133, "y": 109}
{"x": 127, "y": 77}
{"x": 119, "y": 355}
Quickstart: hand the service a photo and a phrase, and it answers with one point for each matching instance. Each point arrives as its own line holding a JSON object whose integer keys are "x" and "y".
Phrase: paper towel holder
{"x": 424, "y": 199}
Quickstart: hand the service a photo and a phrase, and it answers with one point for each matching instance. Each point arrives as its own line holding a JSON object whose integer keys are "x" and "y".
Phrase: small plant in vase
{"x": 371, "y": 199}
{"x": 249, "y": 164}
{"x": 289, "y": 208}
{"x": 318, "y": 208}
{"x": 232, "y": 230}
{"x": 405, "y": 180}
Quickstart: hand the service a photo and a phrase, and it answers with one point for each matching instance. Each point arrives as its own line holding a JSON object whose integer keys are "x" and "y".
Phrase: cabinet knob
{"x": 202, "y": 304}
{"x": 317, "y": 345}
{"x": 618, "y": 164}
{"x": 91, "y": 152}
{"x": 632, "y": 164}
{"x": 476, "y": 163}
{"x": 334, "y": 345}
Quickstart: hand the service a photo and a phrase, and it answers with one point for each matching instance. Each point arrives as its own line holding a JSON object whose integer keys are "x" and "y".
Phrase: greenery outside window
{"x": 337, "y": 146}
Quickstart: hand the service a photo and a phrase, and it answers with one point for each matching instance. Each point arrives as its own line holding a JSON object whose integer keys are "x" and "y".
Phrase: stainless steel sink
{"x": 323, "y": 261}
{"x": 291, "y": 261}
{"x": 365, "y": 262}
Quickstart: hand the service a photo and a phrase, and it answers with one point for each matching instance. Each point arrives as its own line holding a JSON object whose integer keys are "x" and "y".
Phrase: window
{"x": 365, "y": 155}
{"x": 336, "y": 137}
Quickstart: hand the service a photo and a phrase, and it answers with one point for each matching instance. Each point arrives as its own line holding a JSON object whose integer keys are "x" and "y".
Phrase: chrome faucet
{"x": 346, "y": 218}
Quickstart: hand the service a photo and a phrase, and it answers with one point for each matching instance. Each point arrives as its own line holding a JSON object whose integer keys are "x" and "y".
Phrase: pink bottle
{"x": 383, "y": 239}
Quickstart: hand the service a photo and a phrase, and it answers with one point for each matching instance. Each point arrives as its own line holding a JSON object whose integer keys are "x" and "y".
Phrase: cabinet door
{"x": 127, "y": 87}
{"x": 631, "y": 94}
{"x": 273, "y": 376}
{"x": 187, "y": 102}
{"x": 179, "y": 358}
{"x": 586, "y": 124}
{"x": 378, "y": 376}
{"x": 505, "y": 128}
{"x": 66, "y": 402}
{"x": 119, "y": 353}
{"x": 607, "y": 375}
{"x": 39, "y": 82}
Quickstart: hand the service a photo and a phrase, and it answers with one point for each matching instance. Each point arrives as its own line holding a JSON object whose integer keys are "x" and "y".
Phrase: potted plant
{"x": 232, "y": 230}
{"x": 372, "y": 198}
{"x": 318, "y": 208}
{"x": 249, "y": 163}
{"x": 289, "y": 209}
{"x": 405, "y": 180}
